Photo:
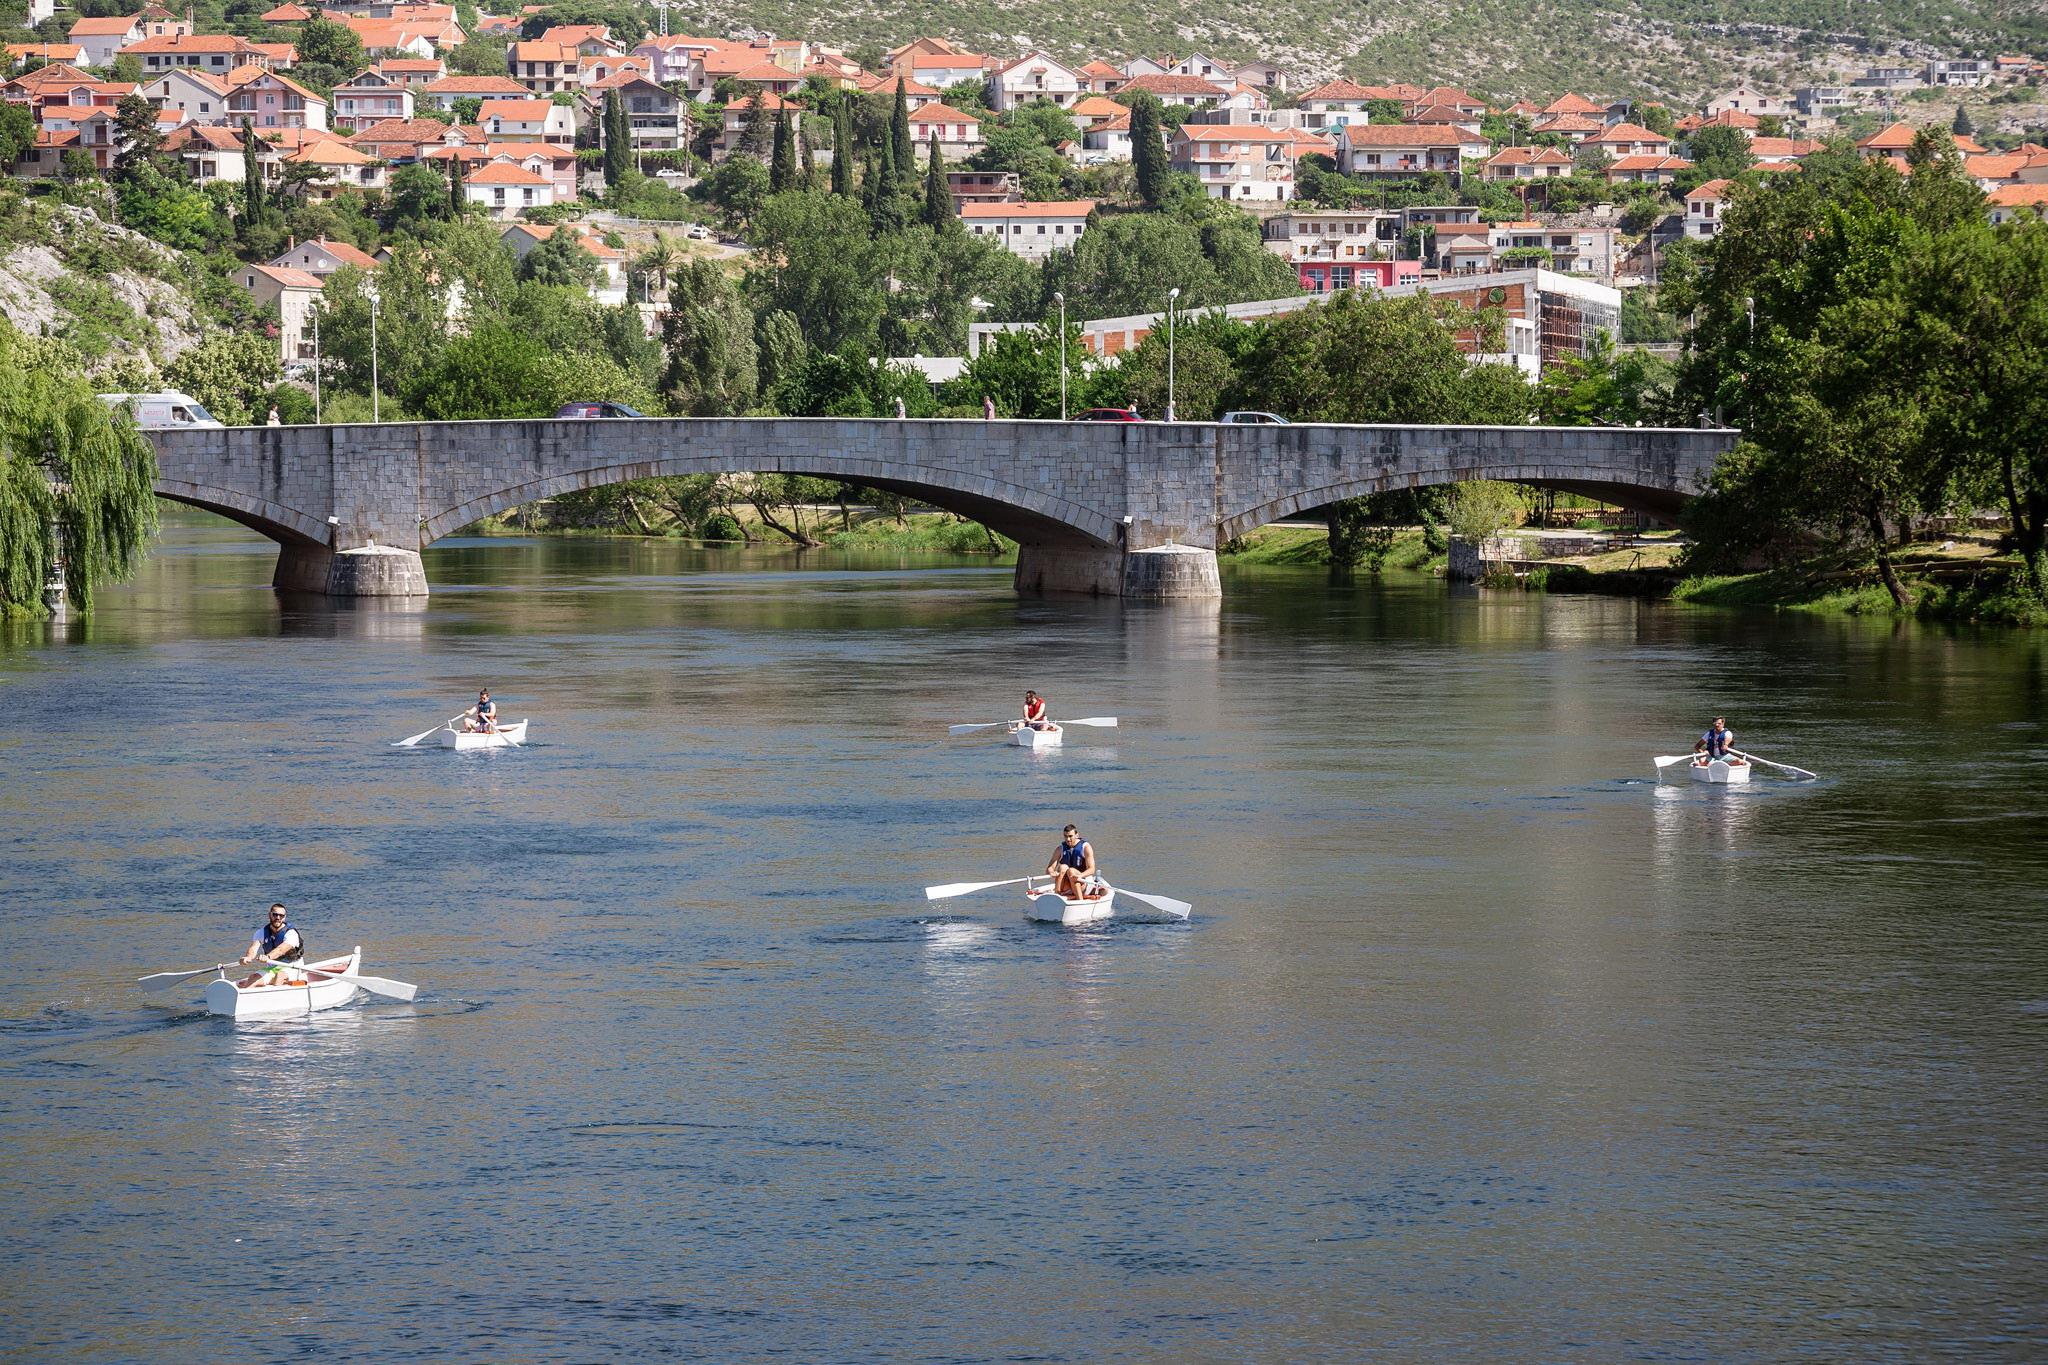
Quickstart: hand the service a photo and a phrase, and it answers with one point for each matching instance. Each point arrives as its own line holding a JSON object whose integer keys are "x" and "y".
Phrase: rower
{"x": 275, "y": 945}
{"x": 483, "y": 717}
{"x": 1072, "y": 865}
{"x": 1034, "y": 711}
{"x": 1718, "y": 741}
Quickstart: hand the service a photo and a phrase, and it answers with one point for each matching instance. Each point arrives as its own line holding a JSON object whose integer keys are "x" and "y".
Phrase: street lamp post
{"x": 1749, "y": 306}
{"x": 1172, "y": 296}
{"x": 1060, "y": 298}
{"x": 316, "y": 369}
{"x": 375, "y": 407}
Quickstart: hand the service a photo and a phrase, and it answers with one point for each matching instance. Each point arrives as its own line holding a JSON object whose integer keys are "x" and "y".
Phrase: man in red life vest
{"x": 1034, "y": 712}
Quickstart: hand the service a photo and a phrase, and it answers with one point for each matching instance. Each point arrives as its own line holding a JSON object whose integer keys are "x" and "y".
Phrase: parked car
{"x": 1108, "y": 415}
{"x": 166, "y": 411}
{"x": 597, "y": 410}
{"x": 1254, "y": 419}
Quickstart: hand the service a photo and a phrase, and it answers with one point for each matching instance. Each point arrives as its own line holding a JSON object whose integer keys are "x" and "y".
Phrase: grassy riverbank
{"x": 861, "y": 528}
{"x": 1310, "y": 545}
{"x": 1944, "y": 587}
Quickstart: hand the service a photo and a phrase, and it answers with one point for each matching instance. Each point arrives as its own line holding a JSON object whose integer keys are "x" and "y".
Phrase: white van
{"x": 162, "y": 411}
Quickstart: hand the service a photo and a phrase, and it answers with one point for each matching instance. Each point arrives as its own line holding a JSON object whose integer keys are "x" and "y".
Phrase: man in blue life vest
{"x": 1718, "y": 741}
{"x": 483, "y": 717}
{"x": 1072, "y": 865}
{"x": 277, "y": 948}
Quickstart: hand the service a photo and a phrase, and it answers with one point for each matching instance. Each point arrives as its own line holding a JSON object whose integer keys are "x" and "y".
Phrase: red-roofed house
{"x": 941, "y": 69}
{"x": 1032, "y": 77}
{"x": 1100, "y": 78}
{"x": 502, "y": 188}
{"x": 669, "y": 56}
{"x": 442, "y": 93}
{"x": 656, "y": 120}
{"x": 102, "y": 39}
{"x": 295, "y": 293}
{"x": 1569, "y": 103}
{"x": 529, "y": 121}
{"x": 1630, "y": 139}
{"x": 1242, "y": 162}
{"x": 370, "y": 97}
{"x": 21, "y": 54}
{"x": 412, "y": 71}
{"x": 1781, "y": 151}
{"x": 589, "y": 40}
{"x": 958, "y": 132}
{"x": 2009, "y": 202}
{"x": 1382, "y": 151}
{"x": 269, "y": 100}
{"x": 217, "y": 53}
{"x": 1705, "y": 207}
{"x": 199, "y": 97}
{"x": 1190, "y": 92}
{"x": 544, "y": 68}
{"x": 610, "y": 288}
{"x": 739, "y": 113}
{"x": 1033, "y": 231}
{"x": 320, "y": 257}
{"x": 1646, "y": 170}
{"x": 1527, "y": 163}
{"x": 915, "y": 93}
{"x": 403, "y": 140}
{"x": 286, "y": 14}
{"x": 211, "y": 151}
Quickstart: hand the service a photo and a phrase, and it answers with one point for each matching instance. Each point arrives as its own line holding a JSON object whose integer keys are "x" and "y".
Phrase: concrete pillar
{"x": 1172, "y": 572}
{"x": 377, "y": 571}
{"x": 1166, "y": 572}
{"x": 302, "y": 568}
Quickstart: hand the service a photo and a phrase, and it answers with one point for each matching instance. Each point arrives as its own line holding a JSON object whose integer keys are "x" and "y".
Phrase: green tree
{"x": 255, "y": 207}
{"x": 1148, "y": 151}
{"x": 561, "y": 259}
{"x": 135, "y": 134}
{"x": 817, "y": 257}
{"x": 618, "y": 142}
{"x": 107, "y": 510}
{"x": 322, "y": 42}
{"x": 1718, "y": 153}
{"x": 230, "y": 373}
{"x": 902, "y": 152}
{"x": 782, "y": 159}
{"x": 417, "y": 195}
{"x": 708, "y": 333}
{"x": 17, "y": 131}
{"x": 411, "y": 290}
{"x": 781, "y": 350}
{"x": 938, "y": 198}
{"x": 842, "y": 152}
{"x": 736, "y": 187}
{"x": 1961, "y": 125}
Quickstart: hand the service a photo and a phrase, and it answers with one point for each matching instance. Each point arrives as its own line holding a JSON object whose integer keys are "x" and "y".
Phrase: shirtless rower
{"x": 1073, "y": 865}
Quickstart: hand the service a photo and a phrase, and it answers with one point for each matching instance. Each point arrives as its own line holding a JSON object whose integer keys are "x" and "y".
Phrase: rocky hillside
{"x": 1670, "y": 49}
{"x": 127, "y": 304}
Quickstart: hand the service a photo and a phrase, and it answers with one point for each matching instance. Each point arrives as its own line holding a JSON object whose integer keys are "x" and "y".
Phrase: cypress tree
{"x": 842, "y": 152}
{"x": 253, "y": 208}
{"x": 900, "y": 146}
{"x": 1148, "y": 151}
{"x": 806, "y": 164}
{"x": 618, "y": 142}
{"x": 455, "y": 195}
{"x": 938, "y": 202}
{"x": 782, "y": 165}
{"x": 1962, "y": 126}
{"x": 871, "y": 185}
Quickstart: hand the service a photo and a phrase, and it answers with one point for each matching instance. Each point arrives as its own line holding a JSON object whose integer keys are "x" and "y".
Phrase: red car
{"x": 1109, "y": 415}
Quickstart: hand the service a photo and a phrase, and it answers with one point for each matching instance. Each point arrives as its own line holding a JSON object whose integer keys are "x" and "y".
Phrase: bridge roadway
{"x": 1132, "y": 509}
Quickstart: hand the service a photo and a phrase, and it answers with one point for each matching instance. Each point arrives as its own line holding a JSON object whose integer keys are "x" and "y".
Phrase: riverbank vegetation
{"x": 69, "y": 467}
{"x": 1885, "y": 349}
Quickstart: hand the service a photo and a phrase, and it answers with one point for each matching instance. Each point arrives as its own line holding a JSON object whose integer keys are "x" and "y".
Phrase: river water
{"x": 1481, "y": 1045}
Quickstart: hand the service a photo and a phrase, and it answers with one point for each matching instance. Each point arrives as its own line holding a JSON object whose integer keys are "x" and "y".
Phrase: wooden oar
{"x": 165, "y": 980}
{"x": 1178, "y": 909}
{"x": 970, "y": 729}
{"x": 408, "y": 743}
{"x": 1106, "y": 722}
{"x": 939, "y": 893}
{"x": 1782, "y": 767}
{"x": 1670, "y": 759}
{"x": 375, "y": 985}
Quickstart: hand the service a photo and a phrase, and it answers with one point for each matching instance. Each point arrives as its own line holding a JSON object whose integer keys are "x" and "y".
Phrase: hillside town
{"x": 1550, "y": 205}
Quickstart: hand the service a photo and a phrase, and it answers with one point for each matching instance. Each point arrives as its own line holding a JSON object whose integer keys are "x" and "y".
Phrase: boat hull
{"x": 1043, "y": 906}
{"x": 1024, "y": 737}
{"x": 1720, "y": 771}
{"x": 464, "y": 741}
{"x": 225, "y": 997}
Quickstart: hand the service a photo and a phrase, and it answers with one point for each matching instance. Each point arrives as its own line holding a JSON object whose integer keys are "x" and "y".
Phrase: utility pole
{"x": 316, "y": 368}
{"x": 1060, "y": 298}
{"x": 1172, "y": 296}
{"x": 375, "y": 411}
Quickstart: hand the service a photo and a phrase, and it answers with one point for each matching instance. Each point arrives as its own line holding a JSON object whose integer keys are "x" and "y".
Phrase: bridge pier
{"x": 373, "y": 571}
{"x": 1165, "y": 572}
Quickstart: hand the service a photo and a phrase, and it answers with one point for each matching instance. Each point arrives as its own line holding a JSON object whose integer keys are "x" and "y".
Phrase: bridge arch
{"x": 1635, "y": 497}
{"x": 1022, "y": 512}
{"x": 285, "y": 525}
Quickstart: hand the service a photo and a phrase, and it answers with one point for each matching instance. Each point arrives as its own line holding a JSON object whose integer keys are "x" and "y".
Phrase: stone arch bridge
{"x": 1109, "y": 508}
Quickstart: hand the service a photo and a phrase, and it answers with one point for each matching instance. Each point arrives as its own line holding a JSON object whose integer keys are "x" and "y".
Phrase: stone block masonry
{"x": 1081, "y": 498}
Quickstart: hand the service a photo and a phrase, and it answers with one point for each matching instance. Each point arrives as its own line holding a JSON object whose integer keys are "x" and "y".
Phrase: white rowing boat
{"x": 225, "y": 995}
{"x": 1097, "y": 901}
{"x": 462, "y": 741}
{"x": 1025, "y": 737}
{"x": 1731, "y": 771}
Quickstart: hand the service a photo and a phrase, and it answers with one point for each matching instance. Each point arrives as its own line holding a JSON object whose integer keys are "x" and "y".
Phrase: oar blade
{"x": 380, "y": 985}
{"x": 970, "y": 729}
{"x": 1105, "y": 722}
{"x": 165, "y": 980}
{"x": 1667, "y": 760}
{"x": 1178, "y": 909}
{"x": 939, "y": 893}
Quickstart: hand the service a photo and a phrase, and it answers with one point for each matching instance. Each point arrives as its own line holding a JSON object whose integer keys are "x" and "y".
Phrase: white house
{"x": 1704, "y": 209}
{"x": 199, "y": 97}
{"x": 656, "y": 120}
{"x": 1030, "y": 78}
{"x": 210, "y": 151}
{"x": 1033, "y": 231}
{"x": 442, "y": 93}
{"x": 1744, "y": 99}
{"x": 296, "y": 293}
{"x": 502, "y": 188}
{"x": 1244, "y": 162}
{"x": 528, "y": 120}
{"x": 103, "y": 39}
